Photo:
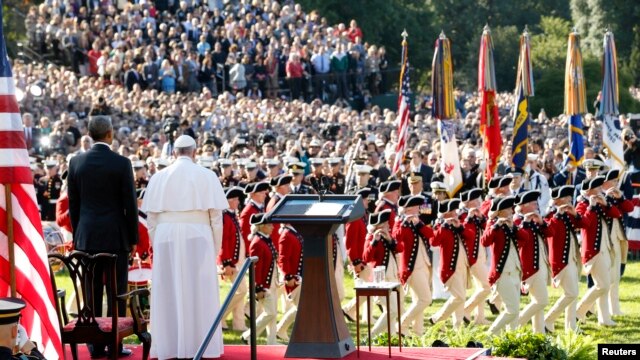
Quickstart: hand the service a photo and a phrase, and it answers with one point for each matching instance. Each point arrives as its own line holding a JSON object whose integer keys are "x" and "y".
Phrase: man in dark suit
{"x": 418, "y": 166}
{"x": 31, "y": 134}
{"x": 103, "y": 211}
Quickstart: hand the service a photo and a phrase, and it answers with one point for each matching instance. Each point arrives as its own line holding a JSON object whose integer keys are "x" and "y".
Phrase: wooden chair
{"x": 87, "y": 328}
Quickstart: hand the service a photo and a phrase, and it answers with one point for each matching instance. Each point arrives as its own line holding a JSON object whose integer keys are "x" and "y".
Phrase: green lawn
{"x": 625, "y": 332}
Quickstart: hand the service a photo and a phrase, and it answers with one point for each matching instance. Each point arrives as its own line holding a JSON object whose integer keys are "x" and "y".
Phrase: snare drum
{"x": 139, "y": 276}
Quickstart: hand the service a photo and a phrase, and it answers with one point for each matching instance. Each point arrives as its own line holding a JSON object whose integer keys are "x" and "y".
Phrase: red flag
{"x": 489, "y": 116}
{"x": 33, "y": 282}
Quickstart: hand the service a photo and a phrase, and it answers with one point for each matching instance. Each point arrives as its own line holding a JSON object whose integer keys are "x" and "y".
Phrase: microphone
{"x": 314, "y": 183}
{"x": 326, "y": 183}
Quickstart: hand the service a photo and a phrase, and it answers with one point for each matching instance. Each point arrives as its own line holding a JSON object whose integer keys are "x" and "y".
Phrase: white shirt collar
{"x": 102, "y": 143}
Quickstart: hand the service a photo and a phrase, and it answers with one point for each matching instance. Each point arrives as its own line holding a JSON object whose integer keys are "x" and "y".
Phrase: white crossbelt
{"x": 190, "y": 217}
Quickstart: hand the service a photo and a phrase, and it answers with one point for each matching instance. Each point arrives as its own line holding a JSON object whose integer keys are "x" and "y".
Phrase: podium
{"x": 319, "y": 330}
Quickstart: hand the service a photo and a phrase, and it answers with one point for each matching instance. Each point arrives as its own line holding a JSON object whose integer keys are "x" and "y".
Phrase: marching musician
{"x": 505, "y": 270}
{"x": 533, "y": 258}
{"x": 617, "y": 234}
{"x": 281, "y": 188}
{"x": 380, "y": 250}
{"x": 266, "y": 277}
{"x": 257, "y": 193}
{"x": 498, "y": 186}
{"x": 233, "y": 253}
{"x": 290, "y": 262}
{"x": 389, "y": 194}
{"x": 415, "y": 259}
{"x": 564, "y": 256}
{"x": 355, "y": 240}
{"x": 452, "y": 238}
{"x": 469, "y": 213}
{"x": 596, "y": 248}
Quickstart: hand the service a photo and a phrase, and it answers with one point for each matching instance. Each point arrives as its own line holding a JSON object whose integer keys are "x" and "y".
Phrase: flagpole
{"x": 12, "y": 257}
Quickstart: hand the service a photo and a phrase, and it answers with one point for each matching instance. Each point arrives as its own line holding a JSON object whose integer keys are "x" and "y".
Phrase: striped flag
{"x": 33, "y": 282}
{"x": 611, "y": 129}
{"x": 489, "y": 115}
{"x": 444, "y": 110}
{"x": 575, "y": 99}
{"x": 521, "y": 114}
{"x": 403, "y": 106}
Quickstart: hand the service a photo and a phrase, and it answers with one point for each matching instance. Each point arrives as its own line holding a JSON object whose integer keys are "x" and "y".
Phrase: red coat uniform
{"x": 563, "y": 225}
{"x": 231, "y": 239}
{"x": 447, "y": 238}
{"x": 144, "y": 244}
{"x": 476, "y": 227}
{"x": 486, "y": 205}
{"x": 275, "y": 234}
{"x": 355, "y": 239}
{"x": 592, "y": 230}
{"x": 262, "y": 247}
{"x": 500, "y": 238}
{"x": 245, "y": 216}
{"x": 290, "y": 254}
{"x": 529, "y": 246}
{"x": 62, "y": 212}
{"x": 378, "y": 252}
{"x": 411, "y": 235}
{"x": 385, "y": 204}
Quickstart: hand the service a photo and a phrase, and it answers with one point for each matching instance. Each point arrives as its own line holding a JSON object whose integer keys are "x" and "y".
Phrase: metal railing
{"x": 249, "y": 264}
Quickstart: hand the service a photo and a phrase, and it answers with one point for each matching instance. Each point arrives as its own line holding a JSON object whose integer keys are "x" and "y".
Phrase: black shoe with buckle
{"x": 348, "y": 316}
{"x": 494, "y": 309}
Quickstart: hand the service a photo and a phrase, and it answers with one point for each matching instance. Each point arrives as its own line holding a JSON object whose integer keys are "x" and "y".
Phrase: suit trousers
{"x": 508, "y": 288}
{"x": 290, "y": 315}
{"x": 600, "y": 271}
{"x": 267, "y": 319}
{"x": 236, "y": 306}
{"x": 418, "y": 282}
{"x": 539, "y": 299}
{"x": 480, "y": 276}
{"x": 567, "y": 280}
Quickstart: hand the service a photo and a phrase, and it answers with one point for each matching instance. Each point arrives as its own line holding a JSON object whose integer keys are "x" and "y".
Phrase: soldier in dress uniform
{"x": 338, "y": 180}
{"x": 280, "y": 185}
{"x": 317, "y": 172}
{"x": 257, "y": 193}
{"x": 355, "y": 239}
{"x": 564, "y": 256}
{"x": 389, "y": 194}
{"x": 617, "y": 234}
{"x": 415, "y": 260}
{"x": 252, "y": 173}
{"x": 596, "y": 248}
{"x": 266, "y": 277}
{"x": 452, "y": 238}
{"x": 469, "y": 214}
{"x": 273, "y": 168}
{"x": 592, "y": 169}
{"x": 505, "y": 271}
{"x": 139, "y": 174}
{"x": 296, "y": 170}
{"x": 498, "y": 186}
{"x": 226, "y": 173}
{"x": 414, "y": 181}
{"x": 11, "y": 333}
{"x": 517, "y": 185}
{"x": 363, "y": 180}
{"x": 534, "y": 258}
{"x": 438, "y": 194}
{"x": 381, "y": 249}
{"x": 232, "y": 254}
{"x": 290, "y": 262}
{"x": 52, "y": 191}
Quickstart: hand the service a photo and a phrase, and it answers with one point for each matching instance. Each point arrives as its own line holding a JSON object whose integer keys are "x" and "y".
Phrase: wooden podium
{"x": 319, "y": 330}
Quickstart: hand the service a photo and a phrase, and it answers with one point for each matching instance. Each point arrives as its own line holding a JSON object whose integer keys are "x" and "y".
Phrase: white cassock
{"x": 184, "y": 204}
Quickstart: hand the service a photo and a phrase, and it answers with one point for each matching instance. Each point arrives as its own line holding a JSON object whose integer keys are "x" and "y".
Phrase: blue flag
{"x": 576, "y": 140}
{"x": 520, "y": 130}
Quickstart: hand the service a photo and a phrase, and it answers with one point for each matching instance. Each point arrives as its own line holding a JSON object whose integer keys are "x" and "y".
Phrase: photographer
{"x": 631, "y": 149}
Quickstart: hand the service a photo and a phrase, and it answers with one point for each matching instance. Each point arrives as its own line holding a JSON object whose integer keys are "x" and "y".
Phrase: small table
{"x": 377, "y": 289}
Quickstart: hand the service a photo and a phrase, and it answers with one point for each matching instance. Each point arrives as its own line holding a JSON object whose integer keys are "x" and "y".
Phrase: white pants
{"x": 600, "y": 270}
{"x": 236, "y": 306}
{"x": 537, "y": 284}
{"x": 456, "y": 285}
{"x": 567, "y": 280}
{"x": 508, "y": 288}
{"x": 290, "y": 315}
{"x": 480, "y": 276}
{"x": 267, "y": 319}
{"x": 350, "y": 308}
{"x": 339, "y": 274}
{"x": 420, "y": 298}
{"x": 614, "y": 298}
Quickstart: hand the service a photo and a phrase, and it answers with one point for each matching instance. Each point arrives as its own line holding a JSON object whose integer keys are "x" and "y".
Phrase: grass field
{"x": 626, "y": 330}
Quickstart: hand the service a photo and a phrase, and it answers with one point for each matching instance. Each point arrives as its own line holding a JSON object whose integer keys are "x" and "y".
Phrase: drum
{"x": 140, "y": 278}
{"x": 56, "y": 242}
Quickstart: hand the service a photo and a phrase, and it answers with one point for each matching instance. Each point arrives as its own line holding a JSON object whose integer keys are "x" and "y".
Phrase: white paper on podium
{"x": 324, "y": 208}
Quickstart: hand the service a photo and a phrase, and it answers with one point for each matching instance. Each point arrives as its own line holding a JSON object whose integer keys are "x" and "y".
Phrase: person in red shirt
{"x": 452, "y": 238}
{"x": 232, "y": 254}
{"x": 257, "y": 193}
{"x": 381, "y": 249}
{"x": 290, "y": 263}
{"x": 354, "y": 31}
{"x": 93, "y": 55}
{"x": 295, "y": 71}
{"x": 265, "y": 277}
{"x": 415, "y": 260}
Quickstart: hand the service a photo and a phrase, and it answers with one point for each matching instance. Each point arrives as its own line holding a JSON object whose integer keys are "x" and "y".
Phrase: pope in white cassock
{"x": 184, "y": 204}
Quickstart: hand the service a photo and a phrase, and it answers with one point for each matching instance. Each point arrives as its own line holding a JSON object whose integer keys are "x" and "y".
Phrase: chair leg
{"x": 115, "y": 349}
{"x": 74, "y": 351}
{"x": 145, "y": 338}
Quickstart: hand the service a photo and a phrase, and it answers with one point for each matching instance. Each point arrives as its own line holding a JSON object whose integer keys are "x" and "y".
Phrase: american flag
{"x": 403, "y": 107}
{"x": 33, "y": 282}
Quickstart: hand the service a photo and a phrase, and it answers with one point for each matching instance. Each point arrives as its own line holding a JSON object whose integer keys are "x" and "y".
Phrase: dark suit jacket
{"x": 102, "y": 201}
{"x": 426, "y": 172}
{"x": 35, "y": 139}
{"x": 132, "y": 77}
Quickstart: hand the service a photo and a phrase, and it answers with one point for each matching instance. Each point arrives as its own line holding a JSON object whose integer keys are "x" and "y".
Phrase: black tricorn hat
{"x": 527, "y": 197}
{"x": 562, "y": 191}
{"x": 256, "y": 187}
{"x": 258, "y": 219}
{"x": 448, "y": 205}
{"x": 234, "y": 192}
{"x": 379, "y": 217}
{"x": 502, "y": 203}
{"x": 471, "y": 194}
{"x": 280, "y": 180}
{"x": 390, "y": 185}
{"x": 411, "y": 200}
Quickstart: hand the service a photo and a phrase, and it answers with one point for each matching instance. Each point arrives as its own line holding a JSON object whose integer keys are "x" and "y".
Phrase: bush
{"x": 525, "y": 344}
{"x": 577, "y": 347}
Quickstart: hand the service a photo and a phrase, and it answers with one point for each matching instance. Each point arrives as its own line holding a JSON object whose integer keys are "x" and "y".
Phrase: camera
{"x": 170, "y": 125}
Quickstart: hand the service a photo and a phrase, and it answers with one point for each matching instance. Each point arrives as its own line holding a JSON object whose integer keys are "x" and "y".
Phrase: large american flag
{"x": 403, "y": 109}
{"x": 33, "y": 282}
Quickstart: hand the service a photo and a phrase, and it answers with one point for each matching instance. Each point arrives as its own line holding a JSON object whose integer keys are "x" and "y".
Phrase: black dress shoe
{"x": 589, "y": 314}
{"x": 347, "y": 316}
{"x": 244, "y": 341}
{"x": 430, "y": 321}
{"x": 494, "y": 309}
{"x": 466, "y": 320}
